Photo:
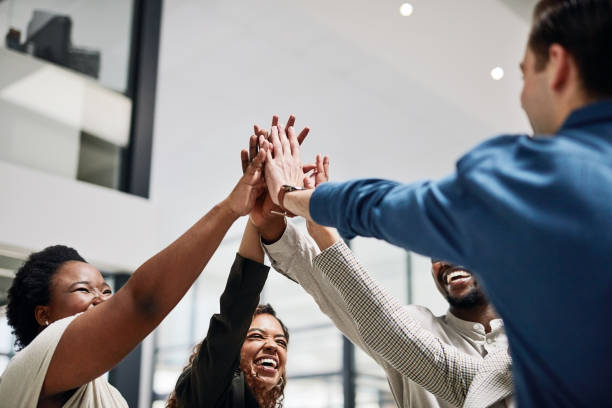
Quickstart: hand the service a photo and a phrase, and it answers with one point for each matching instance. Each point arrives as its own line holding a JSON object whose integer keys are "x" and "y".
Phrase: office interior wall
{"x": 112, "y": 230}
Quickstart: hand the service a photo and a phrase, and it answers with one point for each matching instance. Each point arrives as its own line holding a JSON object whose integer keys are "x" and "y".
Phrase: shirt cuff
{"x": 286, "y": 243}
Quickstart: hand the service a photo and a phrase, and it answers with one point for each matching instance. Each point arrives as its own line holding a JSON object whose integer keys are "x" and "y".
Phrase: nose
{"x": 270, "y": 345}
{"x": 99, "y": 297}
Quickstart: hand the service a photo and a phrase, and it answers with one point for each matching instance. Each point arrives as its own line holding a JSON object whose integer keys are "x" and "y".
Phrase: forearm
{"x": 273, "y": 230}
{"x": 293, "y": 255}
{"x": 432, "y": 218}
{"x": 325, "y": 237}
{"x": 298, "y": 202}
{"x": 158, "y": 285}
{"x": 250, "y": 246}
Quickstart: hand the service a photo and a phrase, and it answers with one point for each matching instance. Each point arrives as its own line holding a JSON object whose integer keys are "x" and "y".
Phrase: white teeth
{"x": 263, "y": 361}
{"x": 460, "y": 274}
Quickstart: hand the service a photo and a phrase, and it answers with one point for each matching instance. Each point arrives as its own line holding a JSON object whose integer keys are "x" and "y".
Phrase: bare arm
{"x": 250, "y": 246}
{"x": 99, "y": 338}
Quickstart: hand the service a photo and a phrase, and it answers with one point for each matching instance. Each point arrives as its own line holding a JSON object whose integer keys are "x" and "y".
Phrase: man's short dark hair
{"x": 584, "y": 29}
{"x": 30, "y": 288}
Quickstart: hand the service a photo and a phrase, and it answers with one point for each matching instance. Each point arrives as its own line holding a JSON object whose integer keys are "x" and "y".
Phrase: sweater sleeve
{"x": 210, "y": 374}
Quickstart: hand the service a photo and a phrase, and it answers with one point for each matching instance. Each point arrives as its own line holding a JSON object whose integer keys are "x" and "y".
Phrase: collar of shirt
{"x": 591, "y": 113}
{"x": 474, "y": 330}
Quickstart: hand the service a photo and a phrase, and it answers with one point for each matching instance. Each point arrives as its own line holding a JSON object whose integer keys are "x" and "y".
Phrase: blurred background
{"x": 122, "y": 122}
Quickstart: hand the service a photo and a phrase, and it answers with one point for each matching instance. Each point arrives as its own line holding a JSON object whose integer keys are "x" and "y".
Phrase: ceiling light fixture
{"x": 497, "y": 73}
{"x": 406, "y": 9}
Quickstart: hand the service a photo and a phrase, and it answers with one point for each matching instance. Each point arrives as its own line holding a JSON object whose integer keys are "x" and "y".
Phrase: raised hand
{"x": 316, "y": 173}
{"x": 290, "y": 122}
{"x": 243, "y": 197}
{"x": 283, "y": 164}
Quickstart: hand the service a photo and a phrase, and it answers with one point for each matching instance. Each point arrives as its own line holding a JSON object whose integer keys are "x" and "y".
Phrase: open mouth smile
{"x": 455, "y": 275}
{"x": 267, "y": 362}
{"x": 266, "y": 366}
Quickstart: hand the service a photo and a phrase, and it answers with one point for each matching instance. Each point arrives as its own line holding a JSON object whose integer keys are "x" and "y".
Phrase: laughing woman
{"x": 72, "y": 329}
{"x": 241, "y": 361}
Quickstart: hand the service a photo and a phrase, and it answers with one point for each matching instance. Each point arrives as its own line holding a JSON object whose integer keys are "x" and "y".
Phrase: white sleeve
{"x": 23, "y": 378}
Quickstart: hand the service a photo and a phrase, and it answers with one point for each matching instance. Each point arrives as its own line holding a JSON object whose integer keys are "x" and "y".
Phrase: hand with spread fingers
{"x": 316, "y": 173}
{"x": 269, "y": 207}
{"x": 283, "y": 164}
{"x": 290, "y": 122}
{"x": 265, "y": 215}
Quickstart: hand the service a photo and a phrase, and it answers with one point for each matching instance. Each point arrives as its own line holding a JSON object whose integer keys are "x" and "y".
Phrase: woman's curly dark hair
{"x": 30, "y": 288}
{"x": 272, "y": 399}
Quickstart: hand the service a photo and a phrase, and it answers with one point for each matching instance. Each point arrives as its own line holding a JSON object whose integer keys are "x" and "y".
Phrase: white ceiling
{"x": 385, "y": 95}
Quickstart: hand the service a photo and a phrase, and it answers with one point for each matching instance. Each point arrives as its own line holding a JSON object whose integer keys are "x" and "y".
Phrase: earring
{"x": 46, "y": 322}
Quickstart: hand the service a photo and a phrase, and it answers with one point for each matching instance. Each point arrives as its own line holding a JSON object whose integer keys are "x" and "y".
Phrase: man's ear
{"x": 41, "y": 314}
{"x": 560, "y": 65}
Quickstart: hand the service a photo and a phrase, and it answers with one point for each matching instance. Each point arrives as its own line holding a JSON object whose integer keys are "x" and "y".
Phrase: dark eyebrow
{"x": 255, "y": 329}
{"x": 263, "y": 331}
{"x": 87, "y": 283}
{"x": 79, "y": 283}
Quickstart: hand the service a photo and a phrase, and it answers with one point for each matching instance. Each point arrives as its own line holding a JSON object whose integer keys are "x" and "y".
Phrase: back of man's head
{"x": 584, "y": 29}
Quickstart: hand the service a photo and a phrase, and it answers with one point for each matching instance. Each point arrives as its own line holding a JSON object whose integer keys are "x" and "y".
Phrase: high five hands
{"x": 282, "y": 166}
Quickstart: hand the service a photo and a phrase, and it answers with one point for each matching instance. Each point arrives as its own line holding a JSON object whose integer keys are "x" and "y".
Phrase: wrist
{"x": 273, "y": 231}
{"x": 287, "y": 189}
{"x": 225, "y": 207}
{"x": 323, "y": 236}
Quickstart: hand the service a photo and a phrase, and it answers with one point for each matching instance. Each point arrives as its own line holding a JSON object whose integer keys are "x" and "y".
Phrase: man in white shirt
{"x": 471, "y": 325}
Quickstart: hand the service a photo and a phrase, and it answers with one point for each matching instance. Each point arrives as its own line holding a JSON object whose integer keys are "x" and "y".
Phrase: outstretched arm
{"x": 212, "y": 368}
{"x": 434, "y": 218}
{"x": 392, "y": 334}
{"x": 116, "y": 326}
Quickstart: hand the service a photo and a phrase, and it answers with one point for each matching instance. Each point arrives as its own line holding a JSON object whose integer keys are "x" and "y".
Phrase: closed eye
{"x": 84, "y": 290}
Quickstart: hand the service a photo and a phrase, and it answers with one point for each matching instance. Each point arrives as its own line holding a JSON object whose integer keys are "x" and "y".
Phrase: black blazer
{"x": 215, "y": 380}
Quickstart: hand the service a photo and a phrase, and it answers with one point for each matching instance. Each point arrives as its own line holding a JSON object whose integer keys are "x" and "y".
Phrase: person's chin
{"x": 268, "y": 382}
{"x": 266, "y": 375}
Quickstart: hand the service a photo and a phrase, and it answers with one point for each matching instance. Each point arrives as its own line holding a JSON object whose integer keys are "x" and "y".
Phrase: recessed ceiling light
{"x": 406, "y": 9}
{"x": 497, "y": 73}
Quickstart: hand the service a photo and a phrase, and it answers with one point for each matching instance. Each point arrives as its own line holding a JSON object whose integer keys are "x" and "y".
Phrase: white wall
{"x": 112, "y": 230}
